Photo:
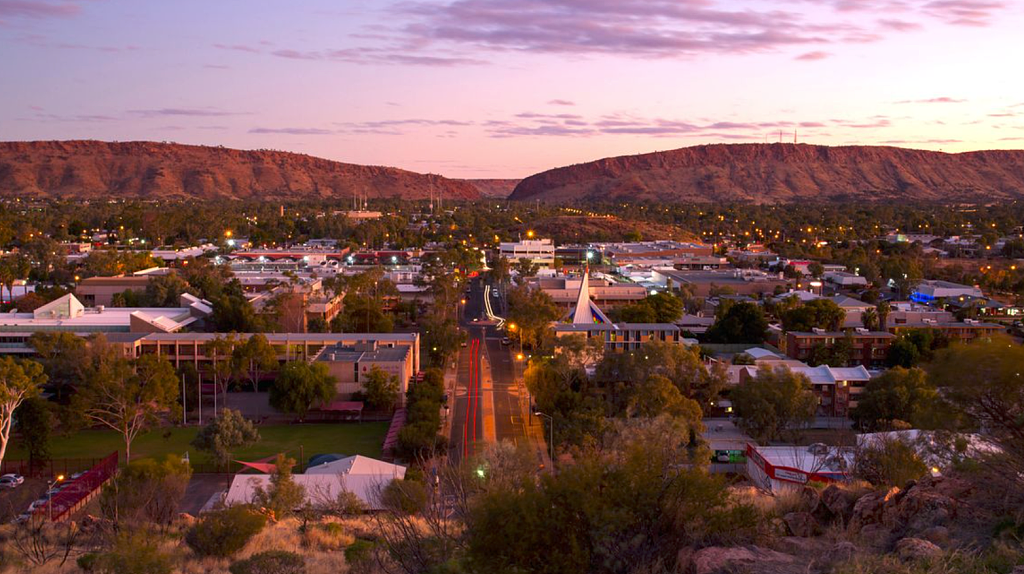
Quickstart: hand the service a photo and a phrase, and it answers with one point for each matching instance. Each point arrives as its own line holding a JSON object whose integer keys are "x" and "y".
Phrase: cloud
{"x": 193, "y": 112}
{"x": 63, "y": 118}
{"x": 899, "y": 25}
{"x": 940, "y": 100}
{"x": 561, "y": 103}
{"x": 292, "y": 131}
{"x": 38, "y": 9}
{"x": 812, "y": 56}
{"x": 965, "y": 12}
{"x": 238, "y": 48}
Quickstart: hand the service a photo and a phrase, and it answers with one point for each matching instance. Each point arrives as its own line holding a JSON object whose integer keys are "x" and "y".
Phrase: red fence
{"x": 79, "y": 491}
{"x": 391, "y": 440}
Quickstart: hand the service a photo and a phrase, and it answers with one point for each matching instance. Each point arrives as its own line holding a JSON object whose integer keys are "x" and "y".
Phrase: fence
{"x": 48, "y": 469}
{"x": 391, "y": 440}
{"x": 80, "y": 490}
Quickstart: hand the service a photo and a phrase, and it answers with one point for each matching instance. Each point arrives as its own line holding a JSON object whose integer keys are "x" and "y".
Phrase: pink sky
{"x": 505, "y": 88}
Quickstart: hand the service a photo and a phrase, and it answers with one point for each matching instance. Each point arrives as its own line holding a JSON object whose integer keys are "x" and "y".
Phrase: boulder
{"x": 916, "y": 549}
{"x": 804, "y": 548}
{"x": 920, "y": 509}
{"x": 870, "y": 508}
{"x": 875, "y": 535}
{"x": 801, "y": 524}
{"x": 836, "y": 501}
{"x": 186, "y": 519}
{"x": 842, "y": 552}
{"x": 937, "y": 535}
{"x": 715, "y": 559}
{"x": 810, "y": 497}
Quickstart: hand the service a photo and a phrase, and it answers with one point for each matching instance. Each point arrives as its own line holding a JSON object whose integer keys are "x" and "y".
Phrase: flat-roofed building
{"x": 94, "y": 291}
{"x": 620, "y": 337}
{"x": 68, "y": 314}
{"x": 538, "y": 251}
{"x": 870, "y": 348}
{"x": 606, "y": 294}
{"x": 928, "y": 291}
{"x": 350, "y": 365}
{"x": 704, "y": 283}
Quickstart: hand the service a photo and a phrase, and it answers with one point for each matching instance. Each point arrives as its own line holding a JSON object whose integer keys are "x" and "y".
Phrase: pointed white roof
{"x": 587, "y": 312}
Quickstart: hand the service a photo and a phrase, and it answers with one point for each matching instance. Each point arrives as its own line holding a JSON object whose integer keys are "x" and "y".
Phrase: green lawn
{"x": 347, "y": 439}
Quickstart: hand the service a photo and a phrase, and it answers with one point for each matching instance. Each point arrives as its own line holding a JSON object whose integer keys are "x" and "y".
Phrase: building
{"x": 837, "y": 388}
{"x": 707, "y": 283}
{"x": 929, "y": 291}
{"x": 538, "y": 251}
{"x": 296, "y": 304}
{"x": 651, "y": 249}
{"x": 955, "y": 331}
{"x": 589, "y": 320}
{"x": 870, "y": 348}
{"x": 844, "y": 280}
{"x": 180, "y": 348}
{"x": 607, "y": 294}
{"x": 780, "y": 468}
{"x": 349, "y": 364}
{"x": 322, "y": 484}
{"x": 95, "y": 291}
{"x": 68, "y": 314}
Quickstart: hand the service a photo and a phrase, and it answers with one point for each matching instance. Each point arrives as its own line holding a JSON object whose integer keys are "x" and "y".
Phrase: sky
{"x": 507, "y": 88}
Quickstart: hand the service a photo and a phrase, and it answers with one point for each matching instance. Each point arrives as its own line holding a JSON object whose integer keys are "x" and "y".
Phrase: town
{"x": 414, "y": 361}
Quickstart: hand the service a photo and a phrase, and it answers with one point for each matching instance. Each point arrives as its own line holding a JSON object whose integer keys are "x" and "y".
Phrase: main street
{"x": 488, "y": 404}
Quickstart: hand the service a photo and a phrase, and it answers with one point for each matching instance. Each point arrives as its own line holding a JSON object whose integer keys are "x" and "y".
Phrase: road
{"x": 486, "y": 399}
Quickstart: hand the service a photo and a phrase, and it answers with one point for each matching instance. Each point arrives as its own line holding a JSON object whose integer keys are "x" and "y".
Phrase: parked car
{"x": 11, "y": 480}
{"x": 506, "y": 341}
{"x": 37, "y": 504}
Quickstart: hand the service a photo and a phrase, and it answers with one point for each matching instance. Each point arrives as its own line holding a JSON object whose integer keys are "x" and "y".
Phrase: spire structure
{"x": 586, "y": 311}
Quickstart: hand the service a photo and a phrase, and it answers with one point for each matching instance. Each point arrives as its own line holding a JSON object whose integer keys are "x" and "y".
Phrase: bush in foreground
{"x": 270, "y": 562}
{"x": 224, "y": 532}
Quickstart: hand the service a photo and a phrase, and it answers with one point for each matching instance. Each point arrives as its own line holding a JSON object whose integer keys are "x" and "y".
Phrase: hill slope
{"x": 766, "y": 173}
{"x": 148, "y": 170}
{"x": 497, "y": 188}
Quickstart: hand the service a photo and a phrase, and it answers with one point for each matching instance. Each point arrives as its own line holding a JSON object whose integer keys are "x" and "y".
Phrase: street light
{"x": 49, "y": 495}
{"x": 551, "y": 431}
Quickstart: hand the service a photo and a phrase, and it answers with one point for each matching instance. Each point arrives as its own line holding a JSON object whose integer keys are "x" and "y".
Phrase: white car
{"x": 11, "y": 480}
{"x": 37, "y": 504}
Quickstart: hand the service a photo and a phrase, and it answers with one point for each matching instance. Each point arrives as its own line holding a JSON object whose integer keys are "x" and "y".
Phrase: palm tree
{"x": 883, "y": 313}
{"x": 870, "y": 319}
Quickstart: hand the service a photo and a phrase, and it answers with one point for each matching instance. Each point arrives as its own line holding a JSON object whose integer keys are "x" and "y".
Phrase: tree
{"x": 165, "y": 290}
{"x": 301, "y": 385}
{"x": 883, "y": 309}
{"x": 381, "y": 389}
{"x": 220, "y": 351}
{"x": 62, "y": 354}
{"x": 657, "y": 396}
{"x": 146, "y": 490}
{"x": 255, "y": 358}
{"x": 19, "y": 381}
{"x": 283, "y": 496}
{"x": 228, "y": 431}
{"x": 898, "y": 394}
{"x": 816, "y": 314}
{"x": 364, "y": 314}
{"x": 888, "y": 461}
{"x": 869, "y": 318}
{"x": 903, "y": 353}
{"x": 816, "y": 269}
{"x": 34, "y": 423}
{"x": 773, "y": 402}
{"x": 127, "y": 396}
{"x": 743, "y": 322}
{"x": 12, "y": 268}
{"x": 531, "y": 311}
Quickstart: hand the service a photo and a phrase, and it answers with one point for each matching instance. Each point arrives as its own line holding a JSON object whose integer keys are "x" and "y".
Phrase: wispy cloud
{"x": 813, "y": 56}
{"x": 38, "y": 9}
{"x": 561, "y": 103}
{"x": 192, "y": 112}
{"x": 292, "y": 131}
{"x": 939, "y": 100}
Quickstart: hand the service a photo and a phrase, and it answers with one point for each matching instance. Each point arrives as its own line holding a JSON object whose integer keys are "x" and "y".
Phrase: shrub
{"x": 270, "y": 562}
{"x": 87, "y": 562}
{"x": 146, "y": 490}
{"x": 224, "y": 532}
{"x": 359, "y": 553}
{"x": 133, "y": 552}
{"x": 405, "y": 496}
{"x": 889, "y": 462}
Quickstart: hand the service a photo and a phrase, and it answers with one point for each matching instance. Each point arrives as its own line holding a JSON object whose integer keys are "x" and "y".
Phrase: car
{"x": 463, "y": 344}
{"x": 11, "y": 480}
{"x": 37, "y": 504}
{"x": 494, "y": 294}
{"x": 506, "y": 341}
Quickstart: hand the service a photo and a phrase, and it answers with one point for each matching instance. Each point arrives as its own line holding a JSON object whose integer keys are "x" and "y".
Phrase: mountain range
{"x": 759, "y": 173}
{"x": 149, "y": 170}
{"x": 781, "y": 173}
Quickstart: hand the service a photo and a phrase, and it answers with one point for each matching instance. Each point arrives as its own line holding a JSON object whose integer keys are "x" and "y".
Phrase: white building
{"x": 363, "y": 476}
{"x": 780, "y": 468}
{"x": 539, "y": 251}
{"x": 928, "y": 291}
